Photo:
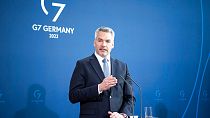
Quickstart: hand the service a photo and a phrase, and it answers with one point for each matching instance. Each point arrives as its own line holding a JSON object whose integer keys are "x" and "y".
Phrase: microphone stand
{"x": 140, "y": 93}
{"x": 130, "y": 92}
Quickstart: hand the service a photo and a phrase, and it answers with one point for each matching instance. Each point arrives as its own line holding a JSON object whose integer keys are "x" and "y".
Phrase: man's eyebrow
{"x": 103, "y": 39}
{"x": 100, "y": 38}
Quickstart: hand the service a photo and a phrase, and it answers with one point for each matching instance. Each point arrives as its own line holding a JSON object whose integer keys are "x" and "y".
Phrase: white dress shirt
{"x": 99, "y": 58}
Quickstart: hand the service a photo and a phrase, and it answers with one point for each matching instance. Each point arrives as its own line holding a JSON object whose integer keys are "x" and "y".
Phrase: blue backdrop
{"x": 166, "y": 44}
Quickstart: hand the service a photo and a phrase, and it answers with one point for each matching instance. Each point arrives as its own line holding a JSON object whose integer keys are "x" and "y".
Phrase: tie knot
{"x": 104, "y": 60}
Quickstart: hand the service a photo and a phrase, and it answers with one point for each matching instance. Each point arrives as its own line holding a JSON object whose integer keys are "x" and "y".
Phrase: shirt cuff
{"x": 99, "y": 92}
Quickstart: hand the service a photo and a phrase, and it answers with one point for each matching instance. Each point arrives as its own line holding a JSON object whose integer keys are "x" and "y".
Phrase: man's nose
{"x": 104, "y": 43}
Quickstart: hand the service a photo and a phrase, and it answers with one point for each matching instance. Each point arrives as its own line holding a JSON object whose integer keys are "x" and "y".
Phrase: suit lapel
{"x": 112, "y": 90}
{"x": 113, "y": 71}
{"x": 96, "y": 66}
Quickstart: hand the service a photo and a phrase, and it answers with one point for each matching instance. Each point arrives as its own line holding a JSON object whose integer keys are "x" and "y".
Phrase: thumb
{"x": 109, "y": 112}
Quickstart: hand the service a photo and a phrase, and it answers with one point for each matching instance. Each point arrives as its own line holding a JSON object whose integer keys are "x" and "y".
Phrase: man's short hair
{"x": 105, "y": 29}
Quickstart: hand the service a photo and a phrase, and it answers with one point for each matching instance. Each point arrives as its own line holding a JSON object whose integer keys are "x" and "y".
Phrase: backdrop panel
{"x": 166, "y": 44}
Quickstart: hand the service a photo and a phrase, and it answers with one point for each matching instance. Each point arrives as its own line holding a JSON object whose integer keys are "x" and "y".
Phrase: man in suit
{"x": 100, "y": 83}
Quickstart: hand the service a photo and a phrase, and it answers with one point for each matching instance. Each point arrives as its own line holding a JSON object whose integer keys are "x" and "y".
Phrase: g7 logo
{"x": 56, "y": 5}
{"x": 37, "y": 94}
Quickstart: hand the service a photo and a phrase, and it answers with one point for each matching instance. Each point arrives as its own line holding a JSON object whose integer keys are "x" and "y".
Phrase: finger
{"x": 112, "y": 86}
{"x": 114, "y": 79}
{"x": 107, "y": 78}
{"x": 113, "y": 115}
{"x": 112, "y": 82}
{"x": 109, "y": 112}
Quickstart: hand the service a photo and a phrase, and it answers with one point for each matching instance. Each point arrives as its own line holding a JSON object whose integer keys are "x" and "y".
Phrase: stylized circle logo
{"x": 158, "y": 95}
{"x": 182, "y": 95}
{"x": 55, "y": 5}
{"x": 37, "y": 94}
{"x": 205, "y": 96}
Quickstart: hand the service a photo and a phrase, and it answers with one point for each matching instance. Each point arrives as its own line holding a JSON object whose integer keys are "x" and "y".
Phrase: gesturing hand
{"x": 115, "y": 115}
{"x": 107, "y": 83}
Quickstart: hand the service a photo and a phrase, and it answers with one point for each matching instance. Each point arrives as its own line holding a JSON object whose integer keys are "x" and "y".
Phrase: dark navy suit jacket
{"x": 84, "y": 89}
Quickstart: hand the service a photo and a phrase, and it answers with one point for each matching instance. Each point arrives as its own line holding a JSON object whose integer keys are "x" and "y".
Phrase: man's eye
{"x": 100, "y": 40}
{"x": 108, "y": 41}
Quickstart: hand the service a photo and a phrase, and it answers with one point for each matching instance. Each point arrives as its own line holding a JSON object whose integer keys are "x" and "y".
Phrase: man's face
{"x": 104, "y": 43}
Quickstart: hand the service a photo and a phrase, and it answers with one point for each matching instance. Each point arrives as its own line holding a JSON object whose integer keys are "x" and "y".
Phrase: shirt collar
{"x": 101, "y": 58}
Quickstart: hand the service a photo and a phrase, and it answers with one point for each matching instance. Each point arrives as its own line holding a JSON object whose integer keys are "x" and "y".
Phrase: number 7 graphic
{"x": 56, "y": 5}
{"x": 59, "y": 11}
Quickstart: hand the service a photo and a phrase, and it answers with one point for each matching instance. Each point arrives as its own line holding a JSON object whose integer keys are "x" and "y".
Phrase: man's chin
{"x": 103, "y": 54}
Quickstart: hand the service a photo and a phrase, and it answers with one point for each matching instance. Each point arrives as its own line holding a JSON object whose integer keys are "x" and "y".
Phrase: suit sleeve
{"x": 128, "y": 98}
{"x": 78, "y": 91}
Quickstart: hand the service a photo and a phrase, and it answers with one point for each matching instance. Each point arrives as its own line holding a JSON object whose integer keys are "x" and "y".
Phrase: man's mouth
{"x": 103, "y": 50}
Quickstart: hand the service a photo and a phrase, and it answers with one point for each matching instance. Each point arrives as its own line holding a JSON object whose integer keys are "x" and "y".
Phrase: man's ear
{"x": 113, "y": 44}
{"x": 94, "y": 42}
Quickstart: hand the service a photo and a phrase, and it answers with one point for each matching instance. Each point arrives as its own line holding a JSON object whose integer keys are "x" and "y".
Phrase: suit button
{"x": 110, "y": 96}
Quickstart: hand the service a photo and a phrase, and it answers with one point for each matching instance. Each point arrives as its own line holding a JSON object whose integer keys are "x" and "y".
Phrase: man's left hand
{"x": 115, "y": 115}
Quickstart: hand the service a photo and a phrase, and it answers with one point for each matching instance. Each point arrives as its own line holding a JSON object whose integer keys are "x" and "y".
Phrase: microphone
{"x": 131, "y": 93}
{"x": 140, "y": 92}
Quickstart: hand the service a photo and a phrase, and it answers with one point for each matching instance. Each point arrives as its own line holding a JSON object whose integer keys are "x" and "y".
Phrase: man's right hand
{"x": 107, "y": 83}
